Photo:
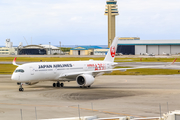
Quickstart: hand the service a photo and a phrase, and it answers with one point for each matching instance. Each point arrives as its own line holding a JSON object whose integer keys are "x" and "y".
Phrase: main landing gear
{"x": 21, "y": 89}
{"x": 58, "y": 84}
{"x": 85, "y": 86}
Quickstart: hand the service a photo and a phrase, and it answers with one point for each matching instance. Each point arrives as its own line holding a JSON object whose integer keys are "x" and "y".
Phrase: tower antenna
{"x": 25, "y": 40}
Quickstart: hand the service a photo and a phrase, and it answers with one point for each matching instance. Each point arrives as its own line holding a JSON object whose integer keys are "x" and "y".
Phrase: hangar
{"x": 32, "y": 50}
{"x": 39, "y": 50}
{"x": 157, "y": 47}
{"x": 83, "y": 50}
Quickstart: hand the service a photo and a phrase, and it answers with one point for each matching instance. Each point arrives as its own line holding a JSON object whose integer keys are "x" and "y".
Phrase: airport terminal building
{"x": 157, "y": 47}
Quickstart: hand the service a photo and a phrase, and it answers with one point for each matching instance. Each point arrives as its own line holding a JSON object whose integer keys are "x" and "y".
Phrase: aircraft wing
{"x": 94, "y": 73}
{"x": 103, "y": 71}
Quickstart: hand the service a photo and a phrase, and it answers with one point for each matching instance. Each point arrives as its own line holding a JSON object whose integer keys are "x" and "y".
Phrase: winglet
{"x": 174, "y": 61}
{"x": 14, "y": 62}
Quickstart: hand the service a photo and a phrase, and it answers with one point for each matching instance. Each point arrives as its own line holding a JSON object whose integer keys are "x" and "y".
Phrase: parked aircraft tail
{"x": 112, "y": 51}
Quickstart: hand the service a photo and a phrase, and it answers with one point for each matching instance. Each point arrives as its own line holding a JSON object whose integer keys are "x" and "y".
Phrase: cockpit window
{"x": 19, "y": 70}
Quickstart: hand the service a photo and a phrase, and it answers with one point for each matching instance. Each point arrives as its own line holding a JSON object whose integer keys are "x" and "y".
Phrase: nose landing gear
{"x": 21, "y": 89}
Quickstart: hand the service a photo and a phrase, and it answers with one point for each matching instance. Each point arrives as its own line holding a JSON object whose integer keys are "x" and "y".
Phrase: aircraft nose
{"x": 14, "y": 77}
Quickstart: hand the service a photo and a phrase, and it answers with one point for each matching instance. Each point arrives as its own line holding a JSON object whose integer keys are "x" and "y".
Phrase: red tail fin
{"x": 174, "y": 61}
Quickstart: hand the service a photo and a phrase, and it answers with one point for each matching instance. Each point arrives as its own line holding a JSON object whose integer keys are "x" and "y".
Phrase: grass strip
{"x": 7, "y": 68}
{"x": 146, "y": 71}
{"x": 48, "y": 59}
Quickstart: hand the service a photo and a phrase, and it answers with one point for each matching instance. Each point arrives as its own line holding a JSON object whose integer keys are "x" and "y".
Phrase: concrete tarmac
{"x": 109, "y": 96}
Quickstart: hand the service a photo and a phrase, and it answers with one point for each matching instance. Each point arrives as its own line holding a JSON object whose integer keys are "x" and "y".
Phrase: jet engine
{"x": 85, "y": 80}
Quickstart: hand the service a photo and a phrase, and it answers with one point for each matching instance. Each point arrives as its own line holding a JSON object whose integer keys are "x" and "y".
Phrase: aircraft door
{"x": 32, "y": 70}
{"x": 19, "y": 76}
{"x": 85, "y": 67}
{"x": 55, "y": 70}
{"x": 108, "y": 66}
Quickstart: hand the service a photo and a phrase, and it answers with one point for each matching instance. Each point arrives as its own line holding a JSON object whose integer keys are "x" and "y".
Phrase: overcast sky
{"x": 82, "y": 22}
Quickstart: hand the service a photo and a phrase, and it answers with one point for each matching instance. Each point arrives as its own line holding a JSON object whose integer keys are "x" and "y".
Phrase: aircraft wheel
{"x": 80, "y": 86}
{"x": 89, "y": 86}
{"x": 21, "y": 89}
{"x": 62, "y": 84}
{"x": 58, "y": 84}
{"x": 54, "y": 84}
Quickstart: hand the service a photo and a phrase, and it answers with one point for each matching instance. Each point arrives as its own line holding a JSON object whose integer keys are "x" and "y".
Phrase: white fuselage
{"x": 51, "y": 71}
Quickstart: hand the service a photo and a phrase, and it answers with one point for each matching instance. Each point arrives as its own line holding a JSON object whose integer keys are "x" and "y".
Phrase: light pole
{"x": 50, "y": 48}
{"x": 60, "y": 47}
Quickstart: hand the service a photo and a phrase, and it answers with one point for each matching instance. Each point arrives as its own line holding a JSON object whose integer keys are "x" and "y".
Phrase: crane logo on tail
{"x": 113, "y": 51}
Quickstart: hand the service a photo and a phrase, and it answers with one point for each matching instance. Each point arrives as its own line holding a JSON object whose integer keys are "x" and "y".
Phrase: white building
{"x": 100, "y": 51}
{"x": 9, "y": 49}
{"x": 52, "y": 49}
{"x": 157, "y": 47}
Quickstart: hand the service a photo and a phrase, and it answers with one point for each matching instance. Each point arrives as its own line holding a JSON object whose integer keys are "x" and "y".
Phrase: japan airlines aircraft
{"x": 83, "y": 72}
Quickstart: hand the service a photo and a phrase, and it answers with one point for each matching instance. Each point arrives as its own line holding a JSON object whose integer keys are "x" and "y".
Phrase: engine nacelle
{"x": 85, "y": 80}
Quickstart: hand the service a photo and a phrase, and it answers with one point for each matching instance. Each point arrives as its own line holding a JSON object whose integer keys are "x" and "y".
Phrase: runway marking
{"x": 108, "y": 112}
{"x": 73, "y": 108}
{"x": 31, "y": 105}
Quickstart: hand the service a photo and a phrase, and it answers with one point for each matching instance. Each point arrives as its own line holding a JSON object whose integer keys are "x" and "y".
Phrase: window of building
{"x": 112, "y": 9}
{"x": 111, "y": 2}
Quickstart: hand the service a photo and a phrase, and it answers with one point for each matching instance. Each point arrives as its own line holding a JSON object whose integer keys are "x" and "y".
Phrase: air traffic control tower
{"x": 111, "y": 11}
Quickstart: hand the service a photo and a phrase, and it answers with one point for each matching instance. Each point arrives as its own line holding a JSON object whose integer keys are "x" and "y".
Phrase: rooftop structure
{"x": 9, "y": 44}
{"x": 8, "y": 49}
{"x": 83, "y": 50}
{"x": 149, "y": 42}
{"x": 85, "y": 47}
{"x": 157, "y": 47}
{"x": 39, "y": 50}
{"x": 129, "y": 38}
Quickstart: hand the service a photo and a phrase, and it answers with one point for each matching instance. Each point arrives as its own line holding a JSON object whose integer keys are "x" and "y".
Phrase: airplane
{"x": 83, "y": 72}
{"x": 166, "y": 54}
